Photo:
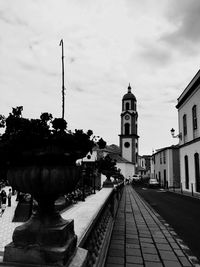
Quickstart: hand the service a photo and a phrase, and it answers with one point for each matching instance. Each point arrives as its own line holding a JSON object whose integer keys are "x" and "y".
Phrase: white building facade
{"x": 189, "y": 135}
{"x": 144, "y": 165}
{"x": 165, "y": 166}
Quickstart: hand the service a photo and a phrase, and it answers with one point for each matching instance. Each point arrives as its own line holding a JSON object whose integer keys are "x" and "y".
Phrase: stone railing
{"x": 93, "y": 222}
{"x": 96, "y": 239}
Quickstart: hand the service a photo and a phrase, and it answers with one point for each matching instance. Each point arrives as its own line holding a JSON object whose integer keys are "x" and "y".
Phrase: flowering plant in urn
{"x": 40, "y": 158}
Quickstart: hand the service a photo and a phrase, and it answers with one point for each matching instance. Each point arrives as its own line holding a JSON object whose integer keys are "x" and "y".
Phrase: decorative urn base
{"x": 108, "y": 182}
{"x": 46, "y": 238}
{"x": 59, "y": 246}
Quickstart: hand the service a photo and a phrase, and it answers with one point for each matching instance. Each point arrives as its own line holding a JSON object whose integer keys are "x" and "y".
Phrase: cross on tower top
{"x": 129, "y": 88}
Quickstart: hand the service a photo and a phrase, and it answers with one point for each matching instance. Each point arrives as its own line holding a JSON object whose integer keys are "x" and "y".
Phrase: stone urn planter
{"x": 107, "y": 166}
{"x": 46, "y": 238}
{"x": 40, "y": 158}
{"x": 107, "y": 182}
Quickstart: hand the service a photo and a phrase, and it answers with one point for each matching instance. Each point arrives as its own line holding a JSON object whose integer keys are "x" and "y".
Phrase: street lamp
{"x": 175, "y": 136}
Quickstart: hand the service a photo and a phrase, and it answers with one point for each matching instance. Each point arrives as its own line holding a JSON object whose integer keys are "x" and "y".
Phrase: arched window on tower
{"x": 127, "y": 106}
{"x": 127, "y": 128}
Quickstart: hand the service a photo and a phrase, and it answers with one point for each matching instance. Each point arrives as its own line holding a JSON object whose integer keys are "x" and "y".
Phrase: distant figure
{"x": 3, "y": 197}
{"x": 9, "y": 197}
{"x": 3, "y": 201}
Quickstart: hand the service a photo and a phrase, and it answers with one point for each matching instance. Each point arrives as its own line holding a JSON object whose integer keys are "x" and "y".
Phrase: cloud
{"x": 184, "y": 18}
{"x": 170, "y": 101}
{"x": 155, "y": 54}
{"x": 8, "y": 17}
{"x": 27, "y": 65}
{"x": 31, "y": 67}
{"x": 78, "y": 89}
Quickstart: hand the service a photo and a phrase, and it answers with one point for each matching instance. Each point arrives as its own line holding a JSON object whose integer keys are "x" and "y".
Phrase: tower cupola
{"x": 129, "y": 94}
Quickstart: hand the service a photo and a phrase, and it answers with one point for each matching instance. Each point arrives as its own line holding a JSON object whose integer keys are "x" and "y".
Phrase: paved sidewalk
{"x": 6, "y": 225}
{"x": 141, "y": 238}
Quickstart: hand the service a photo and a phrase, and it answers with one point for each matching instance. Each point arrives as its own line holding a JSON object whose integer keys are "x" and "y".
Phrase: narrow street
{"x": 180, "y": 212}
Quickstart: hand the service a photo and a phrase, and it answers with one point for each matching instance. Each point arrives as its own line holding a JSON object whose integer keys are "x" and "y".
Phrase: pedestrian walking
{"x": 3, "y": 201}
{"x": 9, "y": 197}
{"x": 3, "y": 197}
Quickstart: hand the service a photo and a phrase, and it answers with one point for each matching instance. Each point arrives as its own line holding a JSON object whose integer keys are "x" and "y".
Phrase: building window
{"x": 197, "y": 174}
{"x": 186, "y": 173}
{"x": 160, "y": 158}
{"x": 184, "y": 125}
{"x": 127, "y": 106}
{"x": 159, "y": 177}
{"x": 127, "y": 128}
{"x": 194, "y": 117}
{"x": 164, "y": 157}
{"x": 165, "y": 179}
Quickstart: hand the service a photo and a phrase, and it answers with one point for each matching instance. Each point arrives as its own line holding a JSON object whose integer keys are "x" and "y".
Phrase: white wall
{"x": 127, "y": 151}
{"x": 189, "y": 150}
{"x": 168, "y": 166}
{"x": 194, "y": 99}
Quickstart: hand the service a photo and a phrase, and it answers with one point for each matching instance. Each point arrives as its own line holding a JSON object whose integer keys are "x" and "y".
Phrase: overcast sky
{"x": 153, "y": 44}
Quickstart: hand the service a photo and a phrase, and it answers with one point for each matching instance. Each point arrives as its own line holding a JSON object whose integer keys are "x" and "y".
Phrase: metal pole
{"x": 181, "y": 189}
{"x": 192, "y": 189}
{"x": 94, "y": 178}
{"x": 63, "y": 86}
{"x": 83, "y": 183}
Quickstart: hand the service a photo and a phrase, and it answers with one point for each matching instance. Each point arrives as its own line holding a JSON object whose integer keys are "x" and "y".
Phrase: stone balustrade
{"x": 93, "y": 223}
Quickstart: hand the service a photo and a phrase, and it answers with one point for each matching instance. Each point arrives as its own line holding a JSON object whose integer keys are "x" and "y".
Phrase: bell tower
{"x": 129, "y": 137}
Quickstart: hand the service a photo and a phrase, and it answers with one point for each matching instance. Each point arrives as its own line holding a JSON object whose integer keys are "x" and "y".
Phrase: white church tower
{"x": 129, "y": 137}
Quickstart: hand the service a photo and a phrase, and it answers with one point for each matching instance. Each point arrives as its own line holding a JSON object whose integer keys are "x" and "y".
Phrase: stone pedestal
{"x": 53, "y": 246}
{"x": 78, "y": 259}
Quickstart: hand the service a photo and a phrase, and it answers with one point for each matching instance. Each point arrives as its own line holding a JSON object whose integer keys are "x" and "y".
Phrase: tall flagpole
{"x": 63, "y": 86}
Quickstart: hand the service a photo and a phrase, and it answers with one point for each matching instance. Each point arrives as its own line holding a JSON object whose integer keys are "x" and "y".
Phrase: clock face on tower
{"x": 127, "y": 117}
{"x": 126, "y": 144}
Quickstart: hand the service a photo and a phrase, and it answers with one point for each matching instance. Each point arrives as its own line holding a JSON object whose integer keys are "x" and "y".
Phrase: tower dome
{"x": 129, "y": 95}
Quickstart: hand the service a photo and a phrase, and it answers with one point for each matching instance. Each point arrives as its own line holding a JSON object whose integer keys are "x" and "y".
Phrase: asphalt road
{"x": 180, "y": 212}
